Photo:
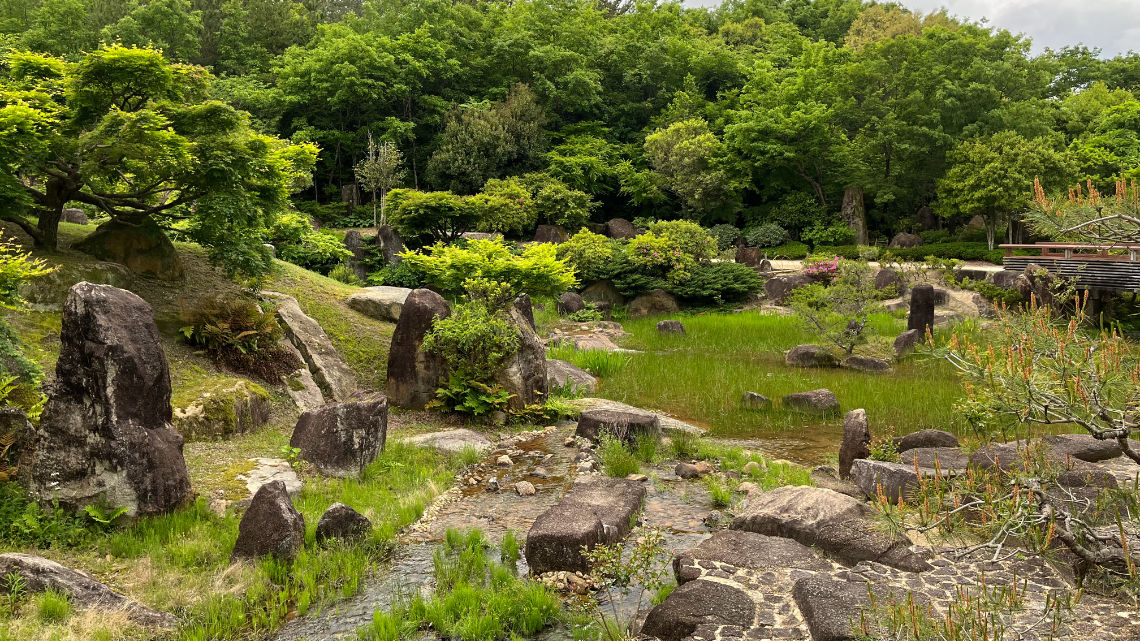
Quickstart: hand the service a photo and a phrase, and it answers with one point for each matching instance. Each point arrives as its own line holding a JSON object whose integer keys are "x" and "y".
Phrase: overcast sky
{"x": 1112, "y": 25}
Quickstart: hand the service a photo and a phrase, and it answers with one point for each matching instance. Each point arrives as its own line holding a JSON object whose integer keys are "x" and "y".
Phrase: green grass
{"x": 702, "y": 375}
{"x": 475, "y": 597}
{"x": 179, "y": 562}
{"x": 595, "y": 361}
{"x": 53, "y": 607}
{"x": 617, "y": 460}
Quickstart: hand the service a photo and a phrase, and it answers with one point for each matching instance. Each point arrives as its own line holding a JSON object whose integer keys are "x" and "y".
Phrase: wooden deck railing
{"x": 1080, "y": 251}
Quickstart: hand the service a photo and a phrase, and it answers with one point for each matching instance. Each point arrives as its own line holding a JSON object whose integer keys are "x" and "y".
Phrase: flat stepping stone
{"x": 838, "y": 524}
{"x": 943, "y": 458}
{"x": 925, "y": 438}
{"x": 746, "y": 550}
{"x": 452, "y": 441}
{"x": 268, "y": 470}
{"x": 599, "y": 510}
{"x": 669, "y": 425}
{"x": 624, "y": 426}
{"x": 699, "y": 604}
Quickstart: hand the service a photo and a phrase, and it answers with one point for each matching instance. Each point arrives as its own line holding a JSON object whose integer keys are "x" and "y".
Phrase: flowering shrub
{"x": 651, "y": 253}
{"x": 822, "y": 270}
{"x": 588, "y": 253}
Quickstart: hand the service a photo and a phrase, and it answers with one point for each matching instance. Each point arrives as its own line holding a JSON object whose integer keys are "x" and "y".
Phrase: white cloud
{"x": 1112, "y": 25}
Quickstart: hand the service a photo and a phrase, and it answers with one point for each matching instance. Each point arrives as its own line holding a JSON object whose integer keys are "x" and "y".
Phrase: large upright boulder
{"x": 342, "y": 439}
{"x": 856, "y": 441}
{"x": 106, "y": 431}
{"x": 921, "y": 308}
{"x": 144, "y": 249}
{"x": 413, "y": 374}
{"x": 391, "y": 244}
{"x": 905, "y": 240}
{"x": 354, "y": 242}
{"x": 331, "y": 373}
{"x": 524, "y": 372}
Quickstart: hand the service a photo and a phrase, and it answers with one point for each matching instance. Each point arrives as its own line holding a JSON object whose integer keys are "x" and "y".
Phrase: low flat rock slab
{"x": 267, "y": 470}
{"x": 668, "y": 424}
{"x": 836, "y": 523}
{"x": 380, "y": 303}
{"x": 452, "y": 441}
{"x": 925, "y": 438}
{"x": 594, "y": 511}
{"x": 40, "y": 574}
{"x": 746, "y": 550}
{"x": 697, "y": 604}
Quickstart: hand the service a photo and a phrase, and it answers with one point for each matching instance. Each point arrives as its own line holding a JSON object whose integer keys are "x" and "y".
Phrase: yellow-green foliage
{"x": 537, "y": 270}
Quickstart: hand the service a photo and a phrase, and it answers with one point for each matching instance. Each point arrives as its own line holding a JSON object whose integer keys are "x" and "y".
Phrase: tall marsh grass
{"x": 701, "y": 376}
{"x": 595, "y": 361}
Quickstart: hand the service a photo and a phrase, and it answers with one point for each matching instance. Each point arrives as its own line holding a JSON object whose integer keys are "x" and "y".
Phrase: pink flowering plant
{"x": 823, "y": 270}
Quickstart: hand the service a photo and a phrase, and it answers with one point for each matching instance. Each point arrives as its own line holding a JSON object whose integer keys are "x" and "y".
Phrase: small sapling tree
{"x": 838, "y": 312}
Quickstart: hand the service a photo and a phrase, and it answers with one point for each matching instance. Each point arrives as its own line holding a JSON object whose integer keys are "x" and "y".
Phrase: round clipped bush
{"x": 725, "y": 235}
{"x": 766, "y": 235}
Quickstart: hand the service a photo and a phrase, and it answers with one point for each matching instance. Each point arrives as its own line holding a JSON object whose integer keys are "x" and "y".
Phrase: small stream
{"x": 676, "y": 506}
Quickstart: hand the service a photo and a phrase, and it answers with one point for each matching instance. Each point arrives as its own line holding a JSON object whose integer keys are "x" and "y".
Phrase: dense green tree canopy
{"x": 799, "y": 98}
{"x": 132, "y": 136}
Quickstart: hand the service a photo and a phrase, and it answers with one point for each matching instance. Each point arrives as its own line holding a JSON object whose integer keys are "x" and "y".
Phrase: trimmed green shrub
{"x": 298, "y": 243}
{"x": 961, "y": 251}
{"x": 402, "y": 274}
{"x": 687, "y": 237}
{"x": 834, "y": 234}
{"x": 473, "y": 343}
{"x": 850, "y": 252}
{"x": 430, "y": 216}
{"x": 766, "y": 235}
{"x": 725, "y": 235}
{"x": 537, "y": 270}
{"x": 560, "y": 205}
{"x": 589, "y": 254}
{"x": 789, "y": 251}
{"x": 501, "y": 214}
{"x": 718, "y": 283}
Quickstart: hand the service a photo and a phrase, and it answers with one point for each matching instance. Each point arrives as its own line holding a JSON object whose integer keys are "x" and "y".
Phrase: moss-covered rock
{"x": 225, "y": 410}
{"x": 144, "y": 249}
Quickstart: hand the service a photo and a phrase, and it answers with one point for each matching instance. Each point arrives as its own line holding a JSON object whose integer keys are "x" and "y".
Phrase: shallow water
{"x": 675, "y": 506}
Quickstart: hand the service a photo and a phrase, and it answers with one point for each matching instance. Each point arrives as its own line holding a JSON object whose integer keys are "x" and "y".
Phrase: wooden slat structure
{"x": 1094, "y": 267}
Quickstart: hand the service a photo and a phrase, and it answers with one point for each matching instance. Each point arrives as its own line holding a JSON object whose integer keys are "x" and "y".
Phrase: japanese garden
{"x": 565, "y": 320}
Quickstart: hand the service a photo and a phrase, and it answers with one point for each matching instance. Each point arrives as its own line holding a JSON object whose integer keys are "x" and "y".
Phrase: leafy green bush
{"x": 298, "y": 243}
{"x": 558, "y": 204}
{"x": 402, "y": 274}
{"x": 796, "y": 212}
{"x": 766, "y": 235}
{"x": 536, "y": 270}
{"x": 725, "y": 235}
{"x": 25, "y": 523}
{"x": 687, "y": 237}
{"x": 430, "y": 216}
{"x": 499, "y": 214}
{"x": 718, "y": 283}
{"x": 589, "y": 254}
{"x": 473, "y": 344}
{"x": 834, "y": 234}
{"x": 935, "y": 236}
{"x": 237, "y": 333}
